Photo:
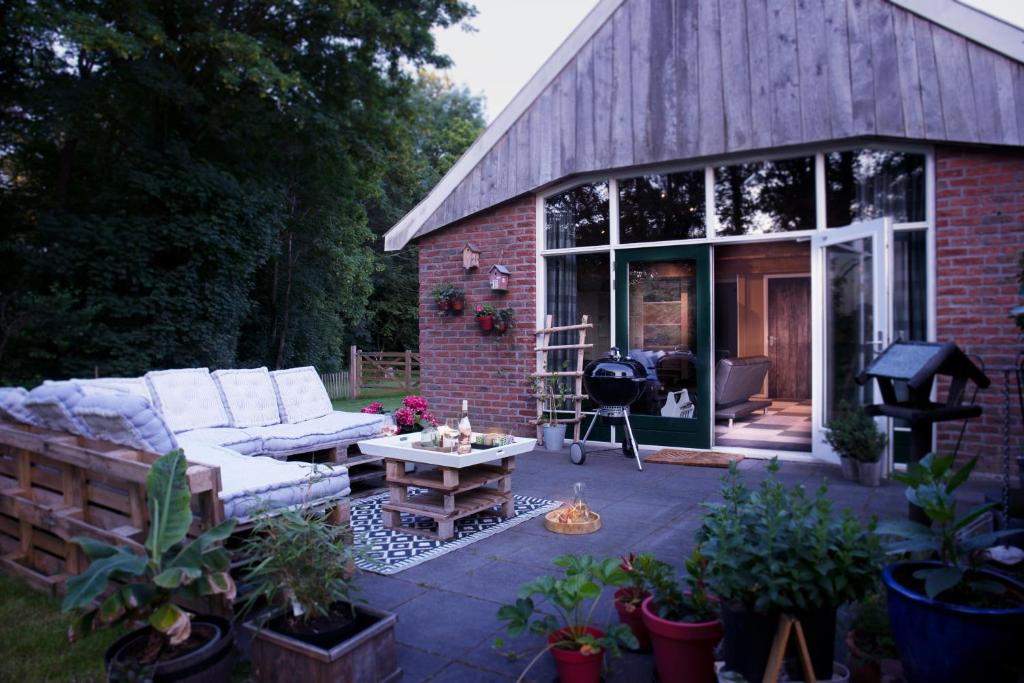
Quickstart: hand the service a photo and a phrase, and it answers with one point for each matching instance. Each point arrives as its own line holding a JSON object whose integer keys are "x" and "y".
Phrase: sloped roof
{"x": 647, "y": 81}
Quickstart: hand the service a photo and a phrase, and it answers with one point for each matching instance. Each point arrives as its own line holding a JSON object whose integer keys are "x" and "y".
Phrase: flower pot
{"x": 819, "y": 626}
{"x": 864, "y": 667}
{"x": 458, "y": 305}
{"x": 365, "y": 651}
{"x": 574, "y": 666}
{"x": 941, "y": 642}
{"x": 682, "y": 651}
{"x": 849, "y": 466}
{"x": 749, "y": 636}
{"x": 444, "y": 304}
{"x": 869, "y": 473}
{"x": 212, "y": 661}
{"x": 500, "y": 326}
{"x": 554, "y": 437}
{"x": 632, "y": 616}
{"x": 486, "y": 323}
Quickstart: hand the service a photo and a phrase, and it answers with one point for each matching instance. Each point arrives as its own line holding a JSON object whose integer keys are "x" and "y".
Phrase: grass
{"x": 34, "y": 634}
{"x": 390, "y": 401}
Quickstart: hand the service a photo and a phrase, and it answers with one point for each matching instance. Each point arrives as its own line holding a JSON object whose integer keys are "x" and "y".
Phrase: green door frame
{"x": 665, "y": 431}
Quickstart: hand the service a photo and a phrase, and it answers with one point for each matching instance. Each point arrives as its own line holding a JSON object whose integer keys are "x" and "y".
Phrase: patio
{"x": 446, "y": 607}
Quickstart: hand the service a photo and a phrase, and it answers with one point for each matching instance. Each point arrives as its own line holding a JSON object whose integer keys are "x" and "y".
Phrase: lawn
{"x": 390, "y": 401}
{"x": 34, "y": 634}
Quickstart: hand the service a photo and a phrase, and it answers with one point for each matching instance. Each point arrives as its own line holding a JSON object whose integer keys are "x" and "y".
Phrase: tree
{"x": 186, "y": 183}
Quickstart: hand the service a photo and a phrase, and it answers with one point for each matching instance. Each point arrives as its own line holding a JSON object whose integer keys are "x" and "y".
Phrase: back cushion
{"x": 187, "y": 399}
{"x": 126, "y": 419}
{"x": 249, "y": 397}
{"x": 12, "y": 406}
{"x": 301, "y": 395}
{"x": 53, "y": 403}
{"x": 133, "y": 385}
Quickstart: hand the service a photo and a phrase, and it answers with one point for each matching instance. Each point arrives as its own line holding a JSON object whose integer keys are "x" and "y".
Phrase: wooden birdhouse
{"x": 470, "y": 257}
{"x": 499, "y": 278}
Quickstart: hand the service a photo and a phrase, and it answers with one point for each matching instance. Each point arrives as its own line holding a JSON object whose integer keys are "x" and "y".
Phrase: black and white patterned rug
{"x": 389, "y": 551}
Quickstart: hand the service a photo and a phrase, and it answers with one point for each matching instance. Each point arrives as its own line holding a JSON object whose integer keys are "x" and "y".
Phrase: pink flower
{"x": 429, "y": 417}
{"x": 404, "y": 417}
{"x": 374, "y": 408}
{"x": 479, "y": 310}
{"x": 416, "y": 403}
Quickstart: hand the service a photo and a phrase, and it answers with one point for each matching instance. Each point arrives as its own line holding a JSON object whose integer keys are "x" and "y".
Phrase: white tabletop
{"x": 400, "y": 447}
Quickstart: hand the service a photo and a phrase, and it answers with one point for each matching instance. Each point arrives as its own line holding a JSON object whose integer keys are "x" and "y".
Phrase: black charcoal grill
{"x": 614, "y": 383}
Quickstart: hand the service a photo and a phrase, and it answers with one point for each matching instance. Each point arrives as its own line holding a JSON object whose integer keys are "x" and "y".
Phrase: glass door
{"x": 663, "y": 314}
{"x": 851, "y": 319}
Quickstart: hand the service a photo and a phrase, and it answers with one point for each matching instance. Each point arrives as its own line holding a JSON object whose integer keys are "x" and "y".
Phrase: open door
{"x": 851, "y": 314}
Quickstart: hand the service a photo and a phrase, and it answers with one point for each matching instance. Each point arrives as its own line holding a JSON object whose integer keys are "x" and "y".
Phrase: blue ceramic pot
{"x": 940, "y": 642}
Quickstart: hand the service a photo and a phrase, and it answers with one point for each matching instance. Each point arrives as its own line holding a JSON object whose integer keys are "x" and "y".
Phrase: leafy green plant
{"x": 444, "y": 292}
{"x": 871, "y": 628}
{"x": 174, "y": 568}
{"x": 854, "y": 434}
{"x": 688, "y": 603}
{"x": 506, "y": 315}
{"x": 299, "y": 561}
{"x": 574, "y": 598}
{"x": 777, "y": 548}
{"x": 931, "y": 484}
{"x": 483, "y": 310}
{"x": 551, "y": 390}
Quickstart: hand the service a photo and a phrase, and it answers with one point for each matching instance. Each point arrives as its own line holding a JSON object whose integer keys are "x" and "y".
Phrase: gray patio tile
{"x": 445, "y": 623}
{"x": 513, "y": 656}
{"x": 418, "y": 666}
{"x": 495, "y": 580}
{"x": 460, "y": 673}
{"x": 386, "y": 592}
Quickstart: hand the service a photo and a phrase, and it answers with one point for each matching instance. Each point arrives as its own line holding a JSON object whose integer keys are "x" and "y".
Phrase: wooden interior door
{"x": 789, "y": 337}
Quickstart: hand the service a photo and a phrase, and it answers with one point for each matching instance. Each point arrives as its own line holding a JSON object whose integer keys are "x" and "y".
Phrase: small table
{"x": 458, "y": 486}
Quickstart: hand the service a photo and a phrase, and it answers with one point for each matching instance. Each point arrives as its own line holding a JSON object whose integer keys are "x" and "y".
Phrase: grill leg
{"x": 632, "y": 440}
{"x": 587, "y": 435}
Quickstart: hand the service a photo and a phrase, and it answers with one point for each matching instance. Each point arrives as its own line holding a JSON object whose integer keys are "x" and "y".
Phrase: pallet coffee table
{"x": 458, "y": 485}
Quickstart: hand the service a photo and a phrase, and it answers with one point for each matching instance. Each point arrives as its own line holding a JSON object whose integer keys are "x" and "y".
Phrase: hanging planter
{"x": 449, "y": 298}
{"x": 504, "y": 319}
{"x": 485, "y": 317}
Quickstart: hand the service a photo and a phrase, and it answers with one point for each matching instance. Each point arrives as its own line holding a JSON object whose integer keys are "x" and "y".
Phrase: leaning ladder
{"x": 542, "y": 348}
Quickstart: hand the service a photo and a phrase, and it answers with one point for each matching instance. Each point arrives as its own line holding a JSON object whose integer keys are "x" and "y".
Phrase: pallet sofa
{"x": 74, "y": 456}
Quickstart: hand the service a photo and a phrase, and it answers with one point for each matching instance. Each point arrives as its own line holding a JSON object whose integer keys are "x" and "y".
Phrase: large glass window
{"x": 765, "y": 197}
{"x": 861, "y": 185}
{"x": 578, "y": 285}
{"x": 653, "y": 208}
{"x": 577, "y": 217}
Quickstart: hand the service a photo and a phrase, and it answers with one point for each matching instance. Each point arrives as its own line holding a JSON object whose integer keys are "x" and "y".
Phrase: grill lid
{"x": 615, "y": 379}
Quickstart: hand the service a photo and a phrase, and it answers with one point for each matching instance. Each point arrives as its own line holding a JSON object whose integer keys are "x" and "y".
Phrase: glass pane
{"x": 910, "y": 285}
{"x": 577, "y": 217}
{"x": 726, "y": 320}
{"x": 861, "y": 185}
{"x": 849, "y": 320}
{"x": 662, "y": 207}
{"x": 663, "y": 335}
{"x": 578, "y": 285}
{"x": 765, "y": 197}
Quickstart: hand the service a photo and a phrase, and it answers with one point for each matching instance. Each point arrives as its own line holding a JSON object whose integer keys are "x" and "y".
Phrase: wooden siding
{"x": 680, "y": 79}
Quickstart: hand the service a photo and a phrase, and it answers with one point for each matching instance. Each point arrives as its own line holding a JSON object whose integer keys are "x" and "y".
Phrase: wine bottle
{"x": 465, "y": 429}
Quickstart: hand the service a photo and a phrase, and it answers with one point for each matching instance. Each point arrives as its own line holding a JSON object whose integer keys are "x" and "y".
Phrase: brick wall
{"x": 457, "y": 360}
{"x": 979, "y": 237}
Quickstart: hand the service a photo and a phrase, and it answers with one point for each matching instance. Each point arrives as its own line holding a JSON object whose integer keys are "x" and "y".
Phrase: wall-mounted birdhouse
{"x": 470, "y": 257}
{"x": 499, "y": 278}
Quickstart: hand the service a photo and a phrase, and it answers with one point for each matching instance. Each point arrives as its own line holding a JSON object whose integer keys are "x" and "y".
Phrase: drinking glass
{"x": 389, "y": 428}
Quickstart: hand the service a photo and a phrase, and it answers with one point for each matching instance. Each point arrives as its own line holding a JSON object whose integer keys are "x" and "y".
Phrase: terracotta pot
{"x": 682, "y": 651}
{"x": 574, "y": 666}
{"x": 443, "y": 304}
{"x": 458, "y": 305}
{"x": 631, "y": 616}
{"x": 486, "y": 323}
{"x": 863, "y": 667}
{"x": 500, "y": 326}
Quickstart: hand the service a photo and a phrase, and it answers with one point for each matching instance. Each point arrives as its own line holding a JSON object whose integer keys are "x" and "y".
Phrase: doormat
{"x": 389, "y": 551}
{"x": 678, "y": 456}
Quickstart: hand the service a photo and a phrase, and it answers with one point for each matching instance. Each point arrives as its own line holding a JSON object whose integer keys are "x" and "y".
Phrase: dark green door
{"x": 663, "y": 319}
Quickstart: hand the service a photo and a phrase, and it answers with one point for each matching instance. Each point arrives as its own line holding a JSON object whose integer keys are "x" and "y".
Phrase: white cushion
{"x": 133, "y": 385}
{"x": 188, "y": 399}
{"x": 125, "y": 418}
{"x": 52, "y": 405}
{"x": 249, "y": 397}
{"x": 320, "y": 432}
{"x": 301, "y": 395}
{"x": 229, "y": 437}
{"x": 12, "y": 406}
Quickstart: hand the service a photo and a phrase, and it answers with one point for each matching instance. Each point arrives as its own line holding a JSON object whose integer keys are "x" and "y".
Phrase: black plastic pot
{"x": 210, "y": 663}
{"x": 749, "y": 636}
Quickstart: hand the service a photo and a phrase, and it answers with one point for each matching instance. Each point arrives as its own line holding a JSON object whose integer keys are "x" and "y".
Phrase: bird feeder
{"x": 499, "y": 278}
{"x": 470, "y": 257}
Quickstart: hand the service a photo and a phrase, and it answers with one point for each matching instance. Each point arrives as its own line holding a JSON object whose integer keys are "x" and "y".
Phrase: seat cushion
{"x": 12, "y": 406}
{"x": 126, "y": 419}
{"x": 249, "y": 397}
{"x": 320, "y": 432}
{"x": 240, "y": 441}
{"x": 301, "y": 395}
{"x": 53, "y": 403}
{"x": 188, "y": 399}
{"x": 251, "y": 485}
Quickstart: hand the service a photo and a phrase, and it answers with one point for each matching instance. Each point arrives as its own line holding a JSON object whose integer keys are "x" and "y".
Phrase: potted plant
{"x": 148, "y": 589}
{"x": 414, "y": 415}
{"x": 684, "y": 625}
{"x": 485, "y": 317}
{"x": 552, "y": 391}
{"x": 952, "y": 619}
{"x": 457, "y": 297}
{"x": 442, "y": 294}
{"x": 630, "y": 597}
{"x": 775, "y": 550}
{"x": 869, "y": 641}
{"x": 300, "y": 565}
{"x": 854, "y": 436}
{"x": 575, "y": 642}
{"x": 504, "y": 318}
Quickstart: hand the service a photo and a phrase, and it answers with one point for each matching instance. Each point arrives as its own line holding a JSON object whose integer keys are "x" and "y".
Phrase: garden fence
{"x": 396, "y": 370}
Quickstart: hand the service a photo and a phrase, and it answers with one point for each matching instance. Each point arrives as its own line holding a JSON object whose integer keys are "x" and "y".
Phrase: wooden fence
{"x": 397, "y": 370}
{"x": 338, "y": 384}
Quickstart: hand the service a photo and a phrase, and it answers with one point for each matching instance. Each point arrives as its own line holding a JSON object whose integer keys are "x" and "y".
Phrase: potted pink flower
{"x": 414, "y": 415}
{"x": 485, "y": 317}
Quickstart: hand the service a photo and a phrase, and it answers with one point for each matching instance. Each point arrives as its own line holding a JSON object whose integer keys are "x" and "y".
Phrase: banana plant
{"x": 147, "y": 586}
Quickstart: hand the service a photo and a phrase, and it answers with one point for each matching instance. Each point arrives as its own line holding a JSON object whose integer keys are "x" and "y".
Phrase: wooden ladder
{"x": 542, "y": 348}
